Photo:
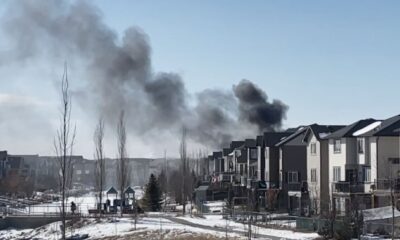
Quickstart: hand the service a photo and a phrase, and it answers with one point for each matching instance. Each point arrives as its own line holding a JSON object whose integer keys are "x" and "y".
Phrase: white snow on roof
{"x": 379, "y": 213}
{"x": 367, "y": 128}
{"x": 323, "y": 135}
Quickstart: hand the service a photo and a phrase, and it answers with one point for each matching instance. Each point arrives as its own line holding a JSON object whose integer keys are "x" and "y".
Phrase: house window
{"x": 253, "y": 153}
{"x": 241, "y": 169}
{"x": 360, "y": 145}
{"x": 337, "y": 146}
{"x": 394, "y": 160}
{"x": 313, "y": 175}
{"x": 293, "y": 177}
{"x": 266, "y": 176}
{"x": 336, "y": 174}
{"x": 367, "y": 174}
{"x": 313, "y": 148}
{"x": 267, "y": 153}
{"x": 78, "y": 172}
{"x": 87, "y": 171}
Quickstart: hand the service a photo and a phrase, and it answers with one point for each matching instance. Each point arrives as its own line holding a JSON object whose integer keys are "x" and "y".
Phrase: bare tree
{"x": 100, "y": 173}
{"x": 63, "y": 146}
{"x": 122, "y": 160}
{"x": 183, "y": 155}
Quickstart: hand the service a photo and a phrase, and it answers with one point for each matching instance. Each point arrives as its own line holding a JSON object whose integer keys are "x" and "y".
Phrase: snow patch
{"x": 367, "y": 128}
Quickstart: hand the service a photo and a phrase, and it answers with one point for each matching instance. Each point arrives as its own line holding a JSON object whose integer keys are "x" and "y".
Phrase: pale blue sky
{"x": 330, "y": 61}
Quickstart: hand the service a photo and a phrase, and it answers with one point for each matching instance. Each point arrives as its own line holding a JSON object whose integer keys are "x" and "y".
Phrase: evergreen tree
{"x": 152, "y": 197}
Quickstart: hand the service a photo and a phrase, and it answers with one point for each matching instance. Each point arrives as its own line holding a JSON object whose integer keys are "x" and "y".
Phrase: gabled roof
{"x": 226, "y": 151}
{"x": 129, "y": 190}
{"x": 319, "y": 131}
{"x": 322, "y": 131}
{"x": 250, "y": 143}
{"x": 388, "y": 127}
{"x": 272, "y": 138}
{"x": 350, "y": 129}
{"x": 236, "y": 144}
{"x": 217, "y": 155}
{"x": 112, "y": 190}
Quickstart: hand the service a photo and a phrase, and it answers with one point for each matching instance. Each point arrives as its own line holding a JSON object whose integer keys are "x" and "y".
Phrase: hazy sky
{"x": 331, "y": 62}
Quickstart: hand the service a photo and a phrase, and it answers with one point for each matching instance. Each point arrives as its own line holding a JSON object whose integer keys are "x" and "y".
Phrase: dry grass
{"x": 168, "y": 235}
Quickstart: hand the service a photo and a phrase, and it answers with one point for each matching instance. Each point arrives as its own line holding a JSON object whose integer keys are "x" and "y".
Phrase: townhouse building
{"x": 378, "y": 145}
{"x": 318, "y": 167}
{"x": 293, "y": 173}
{"x": 349, "y": 174}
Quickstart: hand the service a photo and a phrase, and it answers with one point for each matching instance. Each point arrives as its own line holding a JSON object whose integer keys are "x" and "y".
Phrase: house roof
{"x": 250, "y": 143}
{"x": 388, "y": 127}
{"x": 112, "y": 190}
{"x": 350, "y": 129}
{"x": 236, "y": 144}
{"x": 129, "y": 190}
{"x": 226, "y": 151}
{"x": 272, "y": 138}
{"x": 320, "y": 132}
{"x": 217, "y": 155}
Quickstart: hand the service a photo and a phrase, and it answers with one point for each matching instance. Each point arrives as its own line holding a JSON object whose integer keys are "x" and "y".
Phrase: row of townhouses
{"x": 313, "y": 169}
{"x": 27, "y": 173}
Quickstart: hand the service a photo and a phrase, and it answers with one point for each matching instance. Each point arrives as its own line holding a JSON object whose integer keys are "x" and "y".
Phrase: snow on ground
{"x": 83, "y": 203}
{"x": 151, "y": 226}
{"x": 110, "y": 227}
{"x": 218, "y": 221}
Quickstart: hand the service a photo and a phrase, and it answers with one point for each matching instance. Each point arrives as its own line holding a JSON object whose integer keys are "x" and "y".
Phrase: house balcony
{"x": 297, "y": 186}
{"x": 348, "y": 187}
{"x": 254, "y": 183}
{"x": 386, "y": 185}
{"x": 226, "y": 177}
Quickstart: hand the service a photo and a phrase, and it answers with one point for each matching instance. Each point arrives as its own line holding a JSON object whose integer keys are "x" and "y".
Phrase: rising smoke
{"x": 118, "y": 75}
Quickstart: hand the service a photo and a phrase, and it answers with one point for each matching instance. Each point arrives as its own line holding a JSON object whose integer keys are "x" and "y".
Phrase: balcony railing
{"x": 387, "y": 184}
{"x": 348, "y": 187}
{"x": 297, "y": 186}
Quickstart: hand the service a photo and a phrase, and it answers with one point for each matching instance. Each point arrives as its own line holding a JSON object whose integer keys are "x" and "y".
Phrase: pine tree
{"x": 152, "y": 197}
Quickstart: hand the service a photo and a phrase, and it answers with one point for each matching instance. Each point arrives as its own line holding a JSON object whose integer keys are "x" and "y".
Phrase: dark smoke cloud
{"x": 255, "y": 108}
{"x": 118, "y": 75}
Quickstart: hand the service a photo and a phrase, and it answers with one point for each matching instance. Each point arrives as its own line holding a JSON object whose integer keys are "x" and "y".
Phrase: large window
{"x": 293, "y": 177}
{"x": 367, "y": 174}
{"x": 313, "y": 175}
{"x": 337, "y": 146}
{"x": 313, "y": 148}
{"x": 360, "y": 145}
{"x": 336, "y": 174}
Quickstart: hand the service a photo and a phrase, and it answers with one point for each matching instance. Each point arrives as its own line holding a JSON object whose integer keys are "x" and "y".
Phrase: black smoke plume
{"x": 117, "y": 74}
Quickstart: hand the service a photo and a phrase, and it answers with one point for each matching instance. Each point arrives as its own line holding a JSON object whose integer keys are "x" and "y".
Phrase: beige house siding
{"x": 388, "y": 147}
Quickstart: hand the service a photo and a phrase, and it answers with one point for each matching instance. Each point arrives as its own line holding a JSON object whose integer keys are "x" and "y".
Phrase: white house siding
{"x": 364, "y": 158}
{"x": 373, "y": 158}
{"x": 337, "y": 160}
{"x": 267, "y": 170}
{"x": 259, "y": 163}
{"x": 314, "y": 162}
